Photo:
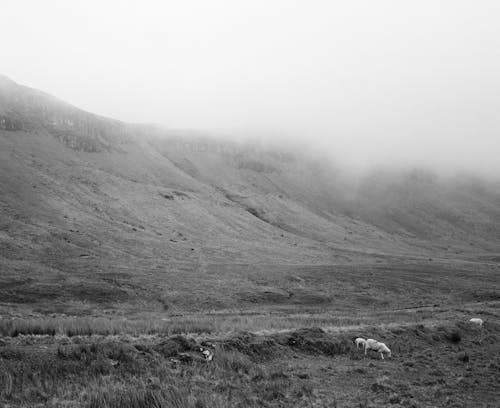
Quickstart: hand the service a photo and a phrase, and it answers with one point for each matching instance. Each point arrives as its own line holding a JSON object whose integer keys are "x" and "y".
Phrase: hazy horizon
{"x": 368, "y": 83}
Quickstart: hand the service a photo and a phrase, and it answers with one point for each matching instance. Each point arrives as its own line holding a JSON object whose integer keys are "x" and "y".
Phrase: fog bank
{"x": 368, "y": 83}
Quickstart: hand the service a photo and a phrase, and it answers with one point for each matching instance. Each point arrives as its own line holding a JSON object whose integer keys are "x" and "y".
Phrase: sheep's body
{"x": 360, "y": 341}
{"x": 381, "y": 348}
{"x": 369, "y": 343}
{"x": 477, "y": 320}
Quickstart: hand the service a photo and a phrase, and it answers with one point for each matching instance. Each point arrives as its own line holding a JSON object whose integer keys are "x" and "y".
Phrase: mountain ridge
{"x": 85, "y": 198}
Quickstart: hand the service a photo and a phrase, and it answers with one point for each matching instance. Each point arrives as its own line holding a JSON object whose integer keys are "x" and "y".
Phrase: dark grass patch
{"x": 137, "y": 398}
{"x": 481, "y": 295}
{"x": 450, "y": 334}
{"x": 98, "y": 292}
{"x": 90, "y": 351}
{"x": 237, "y": 362}
{"x": 316, "y": 341}
{"x": 257, "y": 347}
{"x": 174, "y": 345}
{"x": 453, "y": 336}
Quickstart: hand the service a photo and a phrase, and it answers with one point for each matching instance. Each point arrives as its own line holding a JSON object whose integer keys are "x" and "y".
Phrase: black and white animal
{"x": 208, "y": 354}
{"x": 379, "y": 347}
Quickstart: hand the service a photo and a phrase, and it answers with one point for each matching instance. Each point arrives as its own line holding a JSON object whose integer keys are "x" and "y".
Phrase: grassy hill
{"x": 96, "y": 213}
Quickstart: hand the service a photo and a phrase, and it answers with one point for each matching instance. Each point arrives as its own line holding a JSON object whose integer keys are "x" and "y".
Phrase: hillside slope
{"x": 95, "y": 211}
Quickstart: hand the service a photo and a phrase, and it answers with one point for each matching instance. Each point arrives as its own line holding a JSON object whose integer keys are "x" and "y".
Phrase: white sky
{"x": 370, "y": 81}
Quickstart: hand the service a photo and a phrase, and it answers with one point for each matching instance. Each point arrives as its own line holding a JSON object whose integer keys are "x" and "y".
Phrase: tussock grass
{"x": 14, "y": 328}
{"x": 234, "y": 362}
{"x": 259, "y": 322}
{"x": 100, "y": 326}
{"x": 247, "y": 371}
{"x": 138, "y": 397}
{"x": 109, "y": 374}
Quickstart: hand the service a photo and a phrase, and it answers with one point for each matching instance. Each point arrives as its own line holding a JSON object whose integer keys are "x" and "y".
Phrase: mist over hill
{"x": 93, "y": 209}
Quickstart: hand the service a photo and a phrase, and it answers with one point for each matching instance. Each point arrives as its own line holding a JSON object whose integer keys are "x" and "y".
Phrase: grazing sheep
{"x": 477, "y": 320}
{"x": 360, "y": 341}
{"x": 369, "y": 343}
{"x": 378, "y": 347}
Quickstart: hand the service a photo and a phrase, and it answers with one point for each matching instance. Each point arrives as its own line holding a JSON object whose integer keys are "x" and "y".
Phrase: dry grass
{"x": 100, "y": 326}
{"x": 120, "y": 396}
{"x": 112, "y": 374}
{"x": 263, "y": 322}
{"x": 296, "y": 369}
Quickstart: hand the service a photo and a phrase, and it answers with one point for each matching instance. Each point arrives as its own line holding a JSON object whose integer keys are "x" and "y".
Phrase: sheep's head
{"x": 384, "y": 349}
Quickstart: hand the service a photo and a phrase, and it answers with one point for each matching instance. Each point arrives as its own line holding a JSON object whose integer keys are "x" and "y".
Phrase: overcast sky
{"x": 370, "y": 81}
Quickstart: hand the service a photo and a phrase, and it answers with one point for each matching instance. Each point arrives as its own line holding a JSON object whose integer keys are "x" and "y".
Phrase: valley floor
{"x": 439, "y": 359}
{"x": 289, "y": 344}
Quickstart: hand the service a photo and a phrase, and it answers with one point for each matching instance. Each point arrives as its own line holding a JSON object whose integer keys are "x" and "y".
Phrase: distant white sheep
{"x": 360, "y": 341}
{"x": 381, "y": 348}
{"x": 477, "y": 320}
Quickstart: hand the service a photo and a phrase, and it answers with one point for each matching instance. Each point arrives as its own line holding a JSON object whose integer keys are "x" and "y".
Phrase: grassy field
{"x": 385, "y": 283}
{"x": 452, "y": 364}
{"x": 272, "y": 352}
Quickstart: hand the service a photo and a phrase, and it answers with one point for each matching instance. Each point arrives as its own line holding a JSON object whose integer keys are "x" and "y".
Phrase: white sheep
{"x": 477, "y": 320}
{"x": 369, "y": 343}
{"x": 360, "y": 341}
{"x": 381, "y": 348}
